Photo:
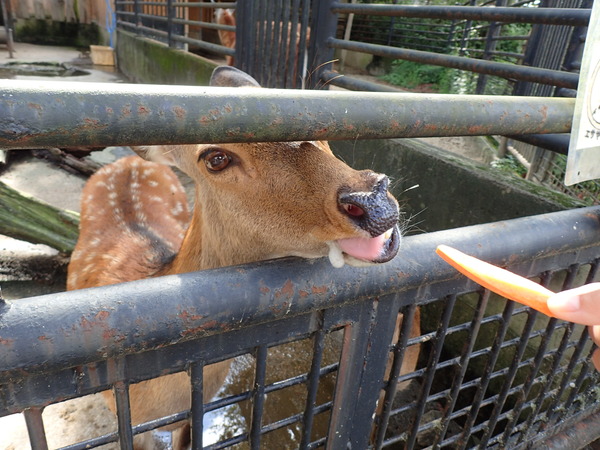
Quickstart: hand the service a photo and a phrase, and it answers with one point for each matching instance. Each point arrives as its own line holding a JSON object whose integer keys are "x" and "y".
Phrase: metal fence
{"x": 316, "y": 362}
{"x": 478, "y": 41}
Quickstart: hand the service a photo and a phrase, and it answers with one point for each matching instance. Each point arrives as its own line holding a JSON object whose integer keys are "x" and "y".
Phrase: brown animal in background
{"x": 253, "y": 201}
{"x": 226, "y": 17}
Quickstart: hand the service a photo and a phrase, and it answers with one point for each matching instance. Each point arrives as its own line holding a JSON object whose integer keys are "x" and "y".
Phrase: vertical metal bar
{"x": 300, "y": 66}
{"x": 257, "y": 56}
{"x": 390, "y": 392}
{"x": 284, "y": 51}
{"x": 490, "y": 46}
{"x": 136, "y": 15}
{"x": 170, "y": 14}
{"x": 348, "y": 383}
{"x": 121, "y": 393}
{"x": 487, "y": 373}
{"x": 391, "y": 29}
{"x": 463, "y": 364}
{"x": 323, "y": 27}
{"x": 259, "y": 397}
{"x": 380, "y": 335}
{"x": 434, "y": 357}
{"x": 450, "y": 39}
{"x": 243, "y": 34}
{"x": 313, "y": 384}
{"x": 293, "y": 43}
{"x": 197, "y": 409}
{"x": 269, "y": 46}
{"x": 35, "y": 428}
{"x": 120, "y": 390}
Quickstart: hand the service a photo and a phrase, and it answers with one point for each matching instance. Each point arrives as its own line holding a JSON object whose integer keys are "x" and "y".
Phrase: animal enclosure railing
{"x": 312, "y": 343}
{"x": 475, "y": 41}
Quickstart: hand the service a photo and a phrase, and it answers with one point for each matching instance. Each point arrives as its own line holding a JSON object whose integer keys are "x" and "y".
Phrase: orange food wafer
{"x": 503, "y": 282}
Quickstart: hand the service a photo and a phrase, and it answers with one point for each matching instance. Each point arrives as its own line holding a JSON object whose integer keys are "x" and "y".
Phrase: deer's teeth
{"x": 336, "y": 258}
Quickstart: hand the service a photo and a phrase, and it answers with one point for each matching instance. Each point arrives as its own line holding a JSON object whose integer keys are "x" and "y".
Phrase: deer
{"x": 253, "y": 202}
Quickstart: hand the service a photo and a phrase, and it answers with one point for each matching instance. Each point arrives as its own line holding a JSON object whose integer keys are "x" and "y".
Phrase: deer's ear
{"x": 157, "y": 153}
{"x": 227, "y": 76}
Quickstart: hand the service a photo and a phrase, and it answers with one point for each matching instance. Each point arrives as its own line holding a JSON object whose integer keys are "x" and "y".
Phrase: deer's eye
{"x": 216, "y": 160}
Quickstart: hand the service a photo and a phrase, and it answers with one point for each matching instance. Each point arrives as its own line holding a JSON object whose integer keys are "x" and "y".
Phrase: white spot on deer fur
{"x": 89, "y": 258}
{"x": 153, "y": 183}
{"x": 147, "y": 172}
{"x": 155, "y": 198}
{"x": 177, "y": 209}
{"x": 112, "y": 195}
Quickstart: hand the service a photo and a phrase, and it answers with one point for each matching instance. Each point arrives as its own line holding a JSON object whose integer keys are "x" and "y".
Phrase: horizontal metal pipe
{"x": 207, "y": 25}
{"x": 558, "y": 143}
{"x": 45, "y": 333}
{"x": 549, "y": 16}
{"x": 354, "y": 84}
{"x": 61, "y": 114}
{"x": 216, "y": 48}
{"x": 504, "y": 70}
{"x": 211, "y": 5}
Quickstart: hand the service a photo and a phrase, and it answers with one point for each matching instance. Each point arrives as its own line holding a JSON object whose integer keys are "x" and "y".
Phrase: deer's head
{"x": 258, "y": 201}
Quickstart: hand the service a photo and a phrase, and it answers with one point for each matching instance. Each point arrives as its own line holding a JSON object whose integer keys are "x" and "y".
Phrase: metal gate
{"x": 492, "y": 374}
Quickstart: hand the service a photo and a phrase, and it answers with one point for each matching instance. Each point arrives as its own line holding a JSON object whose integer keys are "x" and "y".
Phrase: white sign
{"x": 583, "y": 162}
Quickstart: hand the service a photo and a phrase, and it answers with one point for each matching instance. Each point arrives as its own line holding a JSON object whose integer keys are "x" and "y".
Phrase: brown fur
{"x": 225, "y": 17}
{"x": 272, "y": 200}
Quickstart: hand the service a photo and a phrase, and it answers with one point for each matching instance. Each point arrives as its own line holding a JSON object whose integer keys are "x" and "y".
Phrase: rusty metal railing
{"x": 71, "y": 344}
{"x": 50, "y": 114}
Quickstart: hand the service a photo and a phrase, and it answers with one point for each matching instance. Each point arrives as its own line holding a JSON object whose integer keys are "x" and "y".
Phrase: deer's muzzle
{"x": 375, "y": 212}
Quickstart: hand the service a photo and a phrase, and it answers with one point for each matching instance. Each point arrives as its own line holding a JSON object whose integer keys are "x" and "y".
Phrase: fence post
{"x": 490, "y": 46}
{"x": 245, "y": 32}
{"x": 360, "y": 378}
{"x": 170, "y": 14}
{"x": 320, "y": 55}
{"x": 136, "y": 12}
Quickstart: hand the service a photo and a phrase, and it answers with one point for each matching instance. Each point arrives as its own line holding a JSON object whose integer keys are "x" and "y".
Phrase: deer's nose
{"x": 374, "y": 211}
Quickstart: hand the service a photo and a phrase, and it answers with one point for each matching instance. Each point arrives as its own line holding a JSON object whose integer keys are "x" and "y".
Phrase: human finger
{"x": 579, "y": 305}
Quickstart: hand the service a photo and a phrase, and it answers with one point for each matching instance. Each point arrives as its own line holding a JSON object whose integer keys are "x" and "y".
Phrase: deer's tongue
{"x": 368, "y": 249}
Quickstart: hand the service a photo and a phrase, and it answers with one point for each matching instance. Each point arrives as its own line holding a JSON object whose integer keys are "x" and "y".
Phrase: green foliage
{"x": 511, "y": 165}
{"x": 410, "y": 74}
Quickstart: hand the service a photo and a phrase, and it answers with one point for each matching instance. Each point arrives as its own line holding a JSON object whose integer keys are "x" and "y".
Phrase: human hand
{"x": 580, "y": 305}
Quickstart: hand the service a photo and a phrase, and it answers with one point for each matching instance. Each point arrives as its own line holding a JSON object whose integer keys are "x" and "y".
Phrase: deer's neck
{"x": 213, "y": 243}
